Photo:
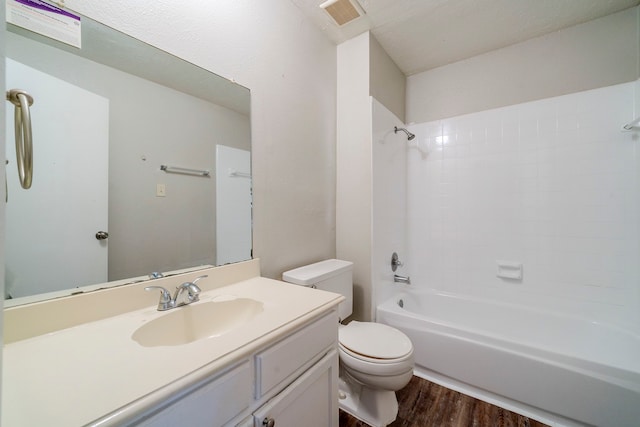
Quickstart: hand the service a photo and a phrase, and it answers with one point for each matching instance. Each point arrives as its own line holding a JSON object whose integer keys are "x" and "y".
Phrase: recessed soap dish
{"x": 511, "y": 270}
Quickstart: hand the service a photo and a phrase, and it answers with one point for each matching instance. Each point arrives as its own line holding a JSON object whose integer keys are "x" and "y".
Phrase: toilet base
{"x": 378, "y": 408}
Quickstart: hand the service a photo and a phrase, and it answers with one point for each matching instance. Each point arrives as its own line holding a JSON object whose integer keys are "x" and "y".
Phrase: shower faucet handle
{"x": 395, "y": 262}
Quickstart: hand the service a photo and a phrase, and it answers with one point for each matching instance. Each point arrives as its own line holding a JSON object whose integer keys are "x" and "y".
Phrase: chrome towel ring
{"x": 24, "y": 141}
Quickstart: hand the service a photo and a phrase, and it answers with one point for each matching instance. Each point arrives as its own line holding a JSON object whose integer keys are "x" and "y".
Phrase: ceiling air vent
{"x": 342, "y": 11}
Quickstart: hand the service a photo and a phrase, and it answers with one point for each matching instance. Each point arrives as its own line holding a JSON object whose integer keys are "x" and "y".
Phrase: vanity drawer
{"x": 282, "y": 360}
{"x": 212, "y": 404}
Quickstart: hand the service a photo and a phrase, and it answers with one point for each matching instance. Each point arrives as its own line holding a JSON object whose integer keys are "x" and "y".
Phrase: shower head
{"x": 410, "y": 136}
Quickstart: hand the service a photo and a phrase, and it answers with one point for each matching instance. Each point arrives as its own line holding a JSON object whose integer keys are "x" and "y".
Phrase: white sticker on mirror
{"x": 43, "y": 18}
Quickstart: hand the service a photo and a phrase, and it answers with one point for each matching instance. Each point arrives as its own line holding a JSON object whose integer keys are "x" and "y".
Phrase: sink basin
{"x": 196, "y": 321}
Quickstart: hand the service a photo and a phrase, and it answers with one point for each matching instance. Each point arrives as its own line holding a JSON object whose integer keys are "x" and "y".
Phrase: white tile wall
{"x": 553, "y": 184}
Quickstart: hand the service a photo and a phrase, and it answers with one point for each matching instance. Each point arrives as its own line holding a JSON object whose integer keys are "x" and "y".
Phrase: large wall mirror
{"x": 106, "y": 118}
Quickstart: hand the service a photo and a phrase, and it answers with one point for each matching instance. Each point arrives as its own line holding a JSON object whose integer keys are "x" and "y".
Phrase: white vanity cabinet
{"x": 280, "y": 363}
{"x": 289, "y": 383}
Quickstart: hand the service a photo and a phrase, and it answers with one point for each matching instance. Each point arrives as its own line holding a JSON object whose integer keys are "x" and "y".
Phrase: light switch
{"x": 161, "y": 190}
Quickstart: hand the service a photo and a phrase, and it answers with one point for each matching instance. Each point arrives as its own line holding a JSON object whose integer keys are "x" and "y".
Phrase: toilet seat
{"x": 375, "y": 349}
{"x": 374, "y": 342}
{"x": 372, "y": 360}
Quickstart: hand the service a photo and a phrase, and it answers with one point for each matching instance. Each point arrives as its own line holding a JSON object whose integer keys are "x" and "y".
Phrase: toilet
{"x": 375, "y": 359}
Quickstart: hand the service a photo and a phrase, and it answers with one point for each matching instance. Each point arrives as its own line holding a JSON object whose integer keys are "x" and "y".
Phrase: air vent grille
{"x": 342, "y": 11}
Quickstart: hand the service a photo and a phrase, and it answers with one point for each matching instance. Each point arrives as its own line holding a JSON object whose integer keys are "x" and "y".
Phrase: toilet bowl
{"x": 376, "y": 354}
{"x": 376, "y": 360}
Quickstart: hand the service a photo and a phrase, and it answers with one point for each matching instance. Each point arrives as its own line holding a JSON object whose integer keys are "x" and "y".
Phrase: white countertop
{"x": 74, "y": 376}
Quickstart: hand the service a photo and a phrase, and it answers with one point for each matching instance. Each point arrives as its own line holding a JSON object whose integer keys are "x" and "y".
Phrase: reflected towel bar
{"x": 185, "y": 171}
{"x": 233, "y": 172}
{"x": 631, "y": 125}
{"x": 24, "y": 141}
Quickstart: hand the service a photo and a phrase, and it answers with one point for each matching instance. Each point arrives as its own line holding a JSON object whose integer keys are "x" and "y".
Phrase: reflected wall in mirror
{"x": 105, "y": 118}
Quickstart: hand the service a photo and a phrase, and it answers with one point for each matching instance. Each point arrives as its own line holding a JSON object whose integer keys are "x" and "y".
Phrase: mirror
{"x": 105, "y": 118}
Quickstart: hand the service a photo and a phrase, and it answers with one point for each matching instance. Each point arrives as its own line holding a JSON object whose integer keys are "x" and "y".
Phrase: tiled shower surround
{"x": 552, "y": 184}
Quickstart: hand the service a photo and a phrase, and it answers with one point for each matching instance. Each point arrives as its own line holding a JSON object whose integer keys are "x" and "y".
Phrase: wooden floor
{"x": 425, "y": 404}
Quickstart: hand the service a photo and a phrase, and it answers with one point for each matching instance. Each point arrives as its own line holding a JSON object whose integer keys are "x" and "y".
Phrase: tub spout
{"x": 402, "y": 279}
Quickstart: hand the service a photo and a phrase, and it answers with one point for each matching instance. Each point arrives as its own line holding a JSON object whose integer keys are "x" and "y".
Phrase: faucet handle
{"x": 199, "y": 277}
{"x": 191, "y": 286}
{"x": 395, "y": 262}
{"x": 194, "y": 290}
{"x": 165, "y": 297}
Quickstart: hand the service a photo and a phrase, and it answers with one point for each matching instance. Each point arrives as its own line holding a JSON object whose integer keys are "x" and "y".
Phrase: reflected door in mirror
{"x": 233, "y": 204}
{"x": 52, "y": 227}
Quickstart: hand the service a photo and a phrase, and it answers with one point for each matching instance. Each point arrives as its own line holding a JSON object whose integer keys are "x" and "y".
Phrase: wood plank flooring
{"x": 425, "y": 404}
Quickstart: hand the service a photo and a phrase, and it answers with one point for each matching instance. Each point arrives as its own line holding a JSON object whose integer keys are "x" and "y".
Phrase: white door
{"x": 233, "y": 205}
{"x": 53, "y": 225}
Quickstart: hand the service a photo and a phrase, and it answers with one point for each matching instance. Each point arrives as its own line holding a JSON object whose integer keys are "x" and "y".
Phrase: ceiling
{"x": 424, "y": 34}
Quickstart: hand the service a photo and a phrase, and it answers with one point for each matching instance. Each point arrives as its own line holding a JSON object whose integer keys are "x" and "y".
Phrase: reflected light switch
{"x": 161, "y": 190}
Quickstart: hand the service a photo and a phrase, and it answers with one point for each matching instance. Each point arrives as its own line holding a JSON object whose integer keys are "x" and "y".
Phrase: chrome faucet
{"x": 402, "y": 279}
{"x": 185, "y": 294}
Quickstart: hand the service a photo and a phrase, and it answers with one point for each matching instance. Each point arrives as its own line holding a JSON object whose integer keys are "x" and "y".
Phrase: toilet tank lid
{"x": 314, "y": 273}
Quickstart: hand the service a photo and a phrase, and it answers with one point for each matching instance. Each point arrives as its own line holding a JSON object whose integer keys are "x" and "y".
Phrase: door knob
{"x": 102, "y": 235}
{"x": 268, "y": 422}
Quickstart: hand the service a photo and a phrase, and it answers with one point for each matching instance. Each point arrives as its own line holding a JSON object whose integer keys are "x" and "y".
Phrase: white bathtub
{"x": 567, "y": 368}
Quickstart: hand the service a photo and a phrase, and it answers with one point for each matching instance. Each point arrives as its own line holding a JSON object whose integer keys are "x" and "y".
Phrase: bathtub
{"x": 565, "y": 370}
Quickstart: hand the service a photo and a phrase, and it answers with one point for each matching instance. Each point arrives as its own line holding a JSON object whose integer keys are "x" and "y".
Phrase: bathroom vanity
{"x": 258, "y": 352}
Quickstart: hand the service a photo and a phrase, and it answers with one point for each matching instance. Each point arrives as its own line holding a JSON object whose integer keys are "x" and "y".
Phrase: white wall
{"x": 389, "y": 201}
{"x": 353, "y": 175}
{"x": 387, "y": 82}
{"x": 553, "y": 184}
{"x": 364, "y": 70}
{"x": 290, "y": 68}
{"x": 598, "y": 53}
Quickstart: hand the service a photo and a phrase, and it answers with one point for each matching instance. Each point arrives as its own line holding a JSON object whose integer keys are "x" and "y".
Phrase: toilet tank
{"x": 331, "y": 275}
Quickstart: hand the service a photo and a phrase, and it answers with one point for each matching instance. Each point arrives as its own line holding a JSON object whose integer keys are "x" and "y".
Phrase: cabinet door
{"x": 311, "y": 400}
